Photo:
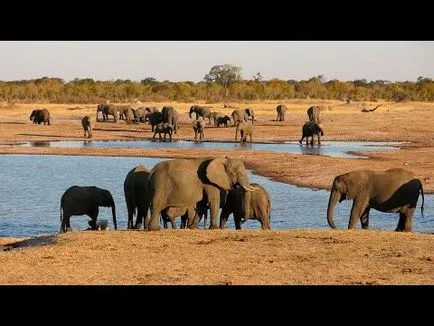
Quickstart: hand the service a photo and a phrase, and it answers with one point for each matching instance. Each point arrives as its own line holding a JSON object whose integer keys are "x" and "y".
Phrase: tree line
{"x": 222, "y": 83}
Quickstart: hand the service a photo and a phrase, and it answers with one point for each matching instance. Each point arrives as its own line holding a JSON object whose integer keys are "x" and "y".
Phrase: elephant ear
{"x": 216, "y": 173}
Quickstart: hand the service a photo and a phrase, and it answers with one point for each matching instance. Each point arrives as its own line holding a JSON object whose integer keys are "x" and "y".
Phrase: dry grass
{"x": 227, "y": 256}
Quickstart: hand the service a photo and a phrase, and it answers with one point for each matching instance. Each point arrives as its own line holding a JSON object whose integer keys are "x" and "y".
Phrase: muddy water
{"x": 337, "y": 149}
{"x": 31, "y": 188}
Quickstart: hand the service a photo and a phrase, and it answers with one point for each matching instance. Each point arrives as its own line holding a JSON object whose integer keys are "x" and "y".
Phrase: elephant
{"x": 258, "y": 204}
{"x": 154, "y": 118}
{"x": 281, "y": 111}
{"x": 311, "y": 129}
{"x": 41, "y": 115}
{"x": 200, "y": 111}
{"x": 126, "y": 113}
{"x": 87, "y": 127}
{"x": 137, "y": 196}
{"x": 245, "y": 128}
{"x": 185, "y": 183}
{"x": 165, "y": 128}
{"x": 313, "y": 113}
{"x": 222, "y": 120}
{"x": 106, "y": 110}
{"x": 139, "y": 115}
{"x": 392, "y": 191}
{"x": 242, "y": 115}
{"x": 198, "y": 127}
{"x": 170, "y": 115}
{"x": 79, "y": 200}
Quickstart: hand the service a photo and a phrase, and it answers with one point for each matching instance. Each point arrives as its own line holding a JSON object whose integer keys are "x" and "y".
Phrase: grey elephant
{"x": 41, "y": 116}
{"x": 184, "y": 183}
{"x": 281, "y": 111}
{"x": 137, "y": 196}
{"x": 87, "y": 127}
{"x": 126, "y": 113}
{"x": 392, "y": 191}
{"x": 244, "y": 128}
{"x": 78, "y": 200}
{"x": 313, "y": 113}
{"x": 163, "y": 128}
{"x": 171, "y": 116}
{"x": 200, "y": 111}
{"x": 311, "y": 129}
{"x": 246, "y": 205}
{"x": 106, "y": 110}
{"x": 242, "y": 115}
{"x": 198, "y": 128}
{"x": 222, "y": 120}
{"x": 139, "y": 115}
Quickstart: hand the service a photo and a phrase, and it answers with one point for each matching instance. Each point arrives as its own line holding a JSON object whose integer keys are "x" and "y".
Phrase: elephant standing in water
{"x": 78, "y": 200}
{"x": 185, "y": 183}
{"x": 198, "y": 128}
{"x": 313, "y": 113}
{"x": 163, "y": 128}
{"x": 171, "y": 116}
{"x": 391, "y": 191}
{"x": 245, "y": 128}
{"x": 311, "y": 129}
{"x": 200, "y": 111}
{"x": 137, "y": 196}
{"x": 87, "y": 127}
{"x": 257, "y": 201}
{"x": 40, "y": 115}
{"x": 281, "y": 111}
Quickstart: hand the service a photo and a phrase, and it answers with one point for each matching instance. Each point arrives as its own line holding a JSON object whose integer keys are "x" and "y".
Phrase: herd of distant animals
{"x": 166, "y": 121}
{"x": 395, "y": 190}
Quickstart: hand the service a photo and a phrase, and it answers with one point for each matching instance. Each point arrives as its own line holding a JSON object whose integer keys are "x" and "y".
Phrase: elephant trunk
{"x": 114, "y": 216}
{"x": 334, "y": 197}
{"x": 246, "y": 205}
{"x": 189, "y": 114}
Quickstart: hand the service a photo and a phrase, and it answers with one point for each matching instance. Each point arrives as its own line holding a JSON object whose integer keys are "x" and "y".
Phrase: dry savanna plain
{"x": 233, "y": 257}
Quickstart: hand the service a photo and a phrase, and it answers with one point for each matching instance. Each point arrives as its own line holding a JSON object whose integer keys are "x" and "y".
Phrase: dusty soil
{"x": 228, "y": 256}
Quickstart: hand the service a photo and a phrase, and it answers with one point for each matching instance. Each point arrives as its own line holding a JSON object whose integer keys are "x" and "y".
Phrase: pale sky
{"x": 191, "y": 60}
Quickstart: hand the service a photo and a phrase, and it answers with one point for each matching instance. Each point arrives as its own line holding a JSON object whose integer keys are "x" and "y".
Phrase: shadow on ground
{"x": 32, "y": 242}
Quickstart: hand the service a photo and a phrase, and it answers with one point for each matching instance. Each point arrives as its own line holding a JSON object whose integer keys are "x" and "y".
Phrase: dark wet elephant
{"x": 41, "y": 116}
{"x": 106, "y": 110}
{"x": 392, "y": 191}
{"x": 244, "y": 128}
{"x": 137, "y": 196}
{"x": 313, "y": 113}
{"x": 154, "y": 118}
{"x": 78, "y": 200}
{"x": 257, "y": 202}
{"x": 281, "y": 111}
{"x": 198, "y": 128}
{"x": 201, "y": 111}
{"x": 311, "y": 129}
{"x": 87, "y": 127}
{"x": 184, "y": 183}
{"x": 222, "y": 120}
{"x": 171, "y": 116}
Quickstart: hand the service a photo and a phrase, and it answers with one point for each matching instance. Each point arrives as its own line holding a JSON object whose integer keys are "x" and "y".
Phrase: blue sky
{"x": 191, "y": 60}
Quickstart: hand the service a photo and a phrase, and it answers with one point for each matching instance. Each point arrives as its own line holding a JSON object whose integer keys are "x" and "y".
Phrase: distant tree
{"x": 224, "y": 75}
{"x": 149, "y": 81}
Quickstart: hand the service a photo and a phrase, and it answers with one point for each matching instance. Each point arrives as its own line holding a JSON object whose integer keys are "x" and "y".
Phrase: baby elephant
{"x": 246, "y": 205}
{"x": 165, "y": 128}
{"x": 245, "y": 128}
{"x": 311, "y": 129}
{"x": 198, "y": 127}
{"x": 85, "y": 122}
{"x": 222, "y": 121}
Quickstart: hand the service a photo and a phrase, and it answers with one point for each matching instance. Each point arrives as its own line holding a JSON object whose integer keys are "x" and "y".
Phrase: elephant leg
{"x": 214, "y": 202}
{"x": 224, "y": 217}
{"x": 63, "y": 225}
{"x": 237, "y": 220}
{"x": 359, "y": 207}
{"x": 405, "y": 220}
{"x": 319, "y": 140}
{"x": 364, "y": 219}
{"x": 93, "y": 215}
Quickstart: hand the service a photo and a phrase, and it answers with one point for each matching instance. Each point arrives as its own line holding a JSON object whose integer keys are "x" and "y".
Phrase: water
{"x": 32, "y": 185}
{"x": 336, "y": 149}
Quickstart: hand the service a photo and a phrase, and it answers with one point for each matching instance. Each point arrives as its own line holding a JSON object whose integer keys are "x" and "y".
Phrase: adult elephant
{"x": 244, "y": 128}
{"x": 106, "y": 110}
{"x": 154, "y": 118}
{"x": 78, "y": 200}
{"x": 391, "y": 191}
{"x": 40, "y": 116}
{"x": 313, "y": 113}
{"x": 184, "y": 183}
{"x": 87, "y": 127}
{"x": 281, "y": 111}
{"x": 200, "y": 111}
{"x": 246, "y": 205}
{"x": 311, "y": 129}
{"x": 242, "y": 115}
{"x": 198, "y": 128}
{"x": 171, "y": 116}
{"x": 137, "y": 196}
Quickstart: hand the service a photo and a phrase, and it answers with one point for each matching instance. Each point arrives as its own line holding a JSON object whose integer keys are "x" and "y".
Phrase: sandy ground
{"x": 228, "y": 256}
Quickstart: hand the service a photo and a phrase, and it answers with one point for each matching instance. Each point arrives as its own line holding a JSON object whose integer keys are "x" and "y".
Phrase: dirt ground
{"x": 229, "y": 256}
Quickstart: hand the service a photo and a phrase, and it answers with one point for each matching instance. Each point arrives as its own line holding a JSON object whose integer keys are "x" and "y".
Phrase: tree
{"x": 149, "y": 81}
{"x": 224, "y": 75}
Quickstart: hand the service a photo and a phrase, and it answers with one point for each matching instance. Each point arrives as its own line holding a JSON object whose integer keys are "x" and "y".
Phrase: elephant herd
{"x": 172, "y": 188}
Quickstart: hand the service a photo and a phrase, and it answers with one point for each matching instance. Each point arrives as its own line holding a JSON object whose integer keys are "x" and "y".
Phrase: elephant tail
{"x": 423, "y": 199}
{"x": 61, "y": 211}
